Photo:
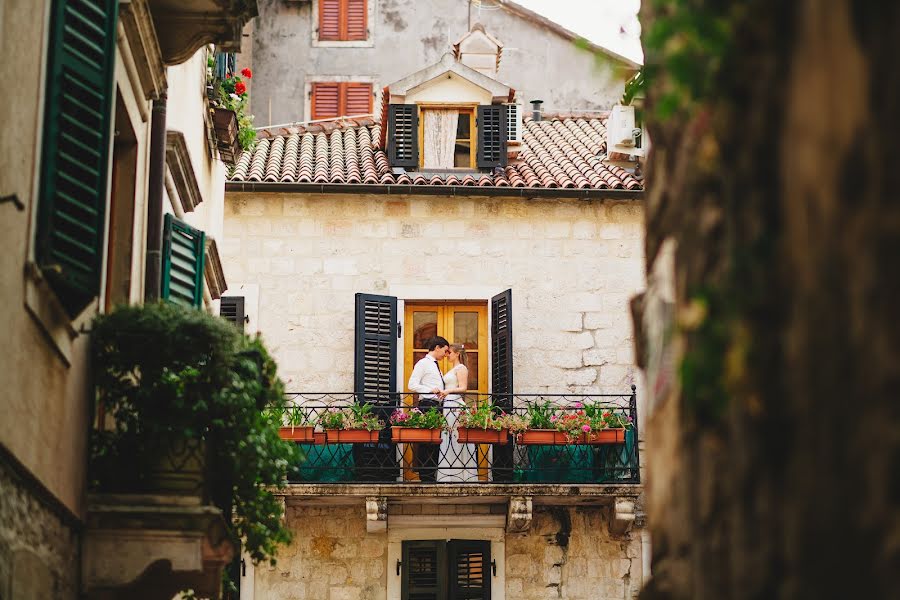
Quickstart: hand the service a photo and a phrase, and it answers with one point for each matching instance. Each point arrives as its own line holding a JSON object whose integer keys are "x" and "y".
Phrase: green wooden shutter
{"x": 491, "y": 136}
{"x": 470, "y": 569}
{"x": 183, "y": 256}
{"x": 424, "y": 575}
{"x": 75, "y": 148}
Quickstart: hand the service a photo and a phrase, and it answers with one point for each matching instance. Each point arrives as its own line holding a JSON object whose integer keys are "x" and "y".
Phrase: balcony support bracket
{"x": 621, "y": 516}
{"x": 519, "y": 515}
{"x": 376, "y": 513}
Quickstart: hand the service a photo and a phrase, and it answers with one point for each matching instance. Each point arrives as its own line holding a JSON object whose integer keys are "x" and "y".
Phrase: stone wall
{"x": 572, "y": 266}
{"x": 39, "y": 553}
{"x": 568, "y": 553}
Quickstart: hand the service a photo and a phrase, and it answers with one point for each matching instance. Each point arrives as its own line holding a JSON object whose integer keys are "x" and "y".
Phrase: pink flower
{"x": 578, "y": 405}
{"x": 586, "y": 428}
{"x": 553, "y": 419}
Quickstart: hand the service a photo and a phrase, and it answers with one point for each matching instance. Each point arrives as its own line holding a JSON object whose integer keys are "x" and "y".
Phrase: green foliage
{"x": 355, "y": 416}
{"x": 166, "y": 373}
{"x": 541, "y": 415}
{"x": 414, "y": 417}
{"x": 483, "y": 416}
{"x": 231, "y": 93}
{"x": 604, "y": 417}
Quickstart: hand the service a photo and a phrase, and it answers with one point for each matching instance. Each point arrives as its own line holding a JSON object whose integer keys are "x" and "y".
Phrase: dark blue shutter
{"x": 424, "y": 570}
{"x": 375, "y": 372}
{"x": 75, "y": 148}
{"x": 491, "y": 136}
{"x": 403, "y": 135}
{"x": 183, "y": 261}
{"x": 502, "y": 375}
{"x": 231, "y": 308}
{"x": 470, "y": 569}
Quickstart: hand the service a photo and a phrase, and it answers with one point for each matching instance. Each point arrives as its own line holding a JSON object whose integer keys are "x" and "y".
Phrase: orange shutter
{"x": 326, "y": 100}
{"x": 356, "y": 20}
{"x": 357, "y": 98}
{"x": 330, "y": 19}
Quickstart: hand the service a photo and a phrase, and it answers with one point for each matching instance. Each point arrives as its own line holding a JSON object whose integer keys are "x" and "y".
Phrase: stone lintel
{"x": 376, "y": 513}
{"x": 141, "y": 36}
{"x": 480, "y": 493}
{"x": 622, "y": 516}
{"x": 518, "y": 519}
{"x": 132, "y": 540}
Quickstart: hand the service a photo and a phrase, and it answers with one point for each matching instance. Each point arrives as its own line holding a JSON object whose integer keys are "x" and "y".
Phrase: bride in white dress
{"x": 458, "y": 462}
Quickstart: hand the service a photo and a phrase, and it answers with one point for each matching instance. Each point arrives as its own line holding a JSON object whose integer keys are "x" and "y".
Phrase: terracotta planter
{"x": 226, "y": 125}
{"x": 604, "y": 436}
{"x": 350, "y": 436}
{"x": 319, "y": 438}
{"x": 477, "y": 435}
{"x": 415, "y": 435}
{"x": 542, "y": 437}
{"x": 296, "y": 434}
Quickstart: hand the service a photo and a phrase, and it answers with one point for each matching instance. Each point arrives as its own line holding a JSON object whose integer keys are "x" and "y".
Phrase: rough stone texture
{"x": 39, "y": 554}
{"x": 331, "y": 558}
{"x": 782, "y": 199}
{"x": 568, "y": 554}
{"x": 310, "y": 254}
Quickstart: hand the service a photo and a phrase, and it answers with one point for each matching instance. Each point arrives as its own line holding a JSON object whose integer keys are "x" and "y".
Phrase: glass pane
{"x": 472, "y": 366}
{"x": 465, "y": 329}
{"x": 463, "y": 126}
{"x": 424, "y": 327}
{"x": 462, "y": 155}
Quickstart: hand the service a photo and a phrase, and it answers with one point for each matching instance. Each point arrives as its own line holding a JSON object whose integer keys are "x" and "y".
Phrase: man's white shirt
{"x": 426, "y": 376}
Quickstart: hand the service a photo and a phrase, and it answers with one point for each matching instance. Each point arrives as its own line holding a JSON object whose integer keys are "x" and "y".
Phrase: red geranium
{"x": 227, "y": 75}
{"x": 247, "y": 73}
{"x": 240, "y": 88}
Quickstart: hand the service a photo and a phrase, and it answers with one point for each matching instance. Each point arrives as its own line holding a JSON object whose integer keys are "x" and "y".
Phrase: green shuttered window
{"x": 75, "y": 149}
{"x": 182, "y": 268}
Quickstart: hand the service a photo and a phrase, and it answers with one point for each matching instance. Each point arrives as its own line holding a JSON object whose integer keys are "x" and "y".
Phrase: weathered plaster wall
{"x": 409, "y": 35}
{"x": 567, "y": 554}
{"x": 572, "y": 266}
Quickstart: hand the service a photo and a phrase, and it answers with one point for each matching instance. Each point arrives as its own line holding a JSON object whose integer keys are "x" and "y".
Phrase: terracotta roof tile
{"x": 556, "y": 152}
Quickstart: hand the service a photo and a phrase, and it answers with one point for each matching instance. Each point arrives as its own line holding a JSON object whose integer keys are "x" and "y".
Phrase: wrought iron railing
{"x": 520, "y": 459}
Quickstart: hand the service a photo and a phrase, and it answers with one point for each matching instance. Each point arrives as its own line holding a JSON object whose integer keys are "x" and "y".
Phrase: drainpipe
{"x": 155, "y": 184}
{"x": 536, "y": 109}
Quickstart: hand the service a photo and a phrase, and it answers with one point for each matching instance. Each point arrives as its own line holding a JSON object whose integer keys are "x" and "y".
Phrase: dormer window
{"x": 447, "y": 137}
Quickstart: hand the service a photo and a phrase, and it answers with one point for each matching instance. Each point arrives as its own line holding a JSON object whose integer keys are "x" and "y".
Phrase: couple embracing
{"x": 451, "y": 461}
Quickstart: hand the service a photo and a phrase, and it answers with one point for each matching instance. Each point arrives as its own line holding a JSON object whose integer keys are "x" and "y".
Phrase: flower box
{"x": 226, "y": 125}
{"x": 319, "y": 438}
{"x": 296, "y": 433}
{"x": 415, "y": 435}
{"x": 477, "y": 435}
{"x": 604, "y": 436}
{"x": 542, "y": 436}
{"x": 351, "y": 436}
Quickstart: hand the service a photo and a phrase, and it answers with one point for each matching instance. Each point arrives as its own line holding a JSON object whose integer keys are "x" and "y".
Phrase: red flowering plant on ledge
{"x": 231, "y": 93}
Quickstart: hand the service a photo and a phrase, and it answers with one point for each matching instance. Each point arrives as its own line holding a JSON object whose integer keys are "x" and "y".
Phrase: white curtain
{"x": 440, "y": 138}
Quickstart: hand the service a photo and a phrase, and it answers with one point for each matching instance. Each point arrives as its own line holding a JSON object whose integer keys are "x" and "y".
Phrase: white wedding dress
{"x": 458, "y": 462}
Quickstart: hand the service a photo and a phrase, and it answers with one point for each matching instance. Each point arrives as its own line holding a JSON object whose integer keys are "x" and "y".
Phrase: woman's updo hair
{"x": 461, "y": 350}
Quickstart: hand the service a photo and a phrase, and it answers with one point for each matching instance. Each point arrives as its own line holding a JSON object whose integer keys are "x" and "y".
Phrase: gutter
{"x": 432, "y": 190}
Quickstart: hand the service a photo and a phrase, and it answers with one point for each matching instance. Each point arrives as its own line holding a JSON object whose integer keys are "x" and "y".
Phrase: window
{"x": 446, "y": 570}
{"x": 75, "y": 149}
{"x": 231, "y": 308}
{"x": 343, "y": 20}
{"x": 447, "y": 138}
{"x": 182, "y": 266}
{"x": 338, "y": 99}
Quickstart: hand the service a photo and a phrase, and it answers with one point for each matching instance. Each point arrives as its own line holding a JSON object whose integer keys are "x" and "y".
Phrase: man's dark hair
{"x": 436, "y": 342}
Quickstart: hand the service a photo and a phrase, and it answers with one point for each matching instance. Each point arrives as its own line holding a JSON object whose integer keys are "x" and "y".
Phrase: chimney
{"x": 536, "y": 109}
{"x": 479, "y": 50}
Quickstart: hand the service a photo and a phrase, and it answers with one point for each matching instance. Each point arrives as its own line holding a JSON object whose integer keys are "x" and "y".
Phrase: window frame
{"x": 343, "y": 86}
{"x": 468, "y": 107}
{"x": 315, "y": 17}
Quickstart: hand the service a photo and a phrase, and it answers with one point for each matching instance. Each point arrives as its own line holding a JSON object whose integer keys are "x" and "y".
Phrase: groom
{"x": 427, "y": 380}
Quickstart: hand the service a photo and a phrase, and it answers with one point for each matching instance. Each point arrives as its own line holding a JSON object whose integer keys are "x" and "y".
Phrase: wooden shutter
{"x": 491, "y": 136}
{"x": 375, "y": 372}
{"x": 357, "y": 98}
{"x": 502, "y": 375}
{"x": 470, "y": 569}
{"x": 356, "y": 20}
{"x": 182, "y": 272}
{"x": 424, "y": 570}
{"x": 513, "y": 132}
{"x": 75, "y": 148}
{"x": 231, "y": 308}
{"x": 330, "y": 20}
{"x": 326, "y": 100}
{"x": 403, "y": 142}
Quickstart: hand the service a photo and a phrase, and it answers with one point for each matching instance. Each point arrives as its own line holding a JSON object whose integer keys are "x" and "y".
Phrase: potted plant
{"x": 354, "y": 424}
{"x": 481, "y": 425}
{"x": 542, "y": 428}
{"x": 297, "y": 425}
{"x": 228, "y": 102}
{"x": 179, "y": 387}
{"x": 607, "y": 426}
{"x": 412, "y": 425}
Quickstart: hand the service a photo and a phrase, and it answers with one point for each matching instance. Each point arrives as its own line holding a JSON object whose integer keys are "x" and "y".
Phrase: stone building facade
{"x": 545, "y": 247}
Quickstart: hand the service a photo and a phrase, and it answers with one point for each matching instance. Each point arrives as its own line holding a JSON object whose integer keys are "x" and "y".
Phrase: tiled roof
{"x": 562, "y": 151}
